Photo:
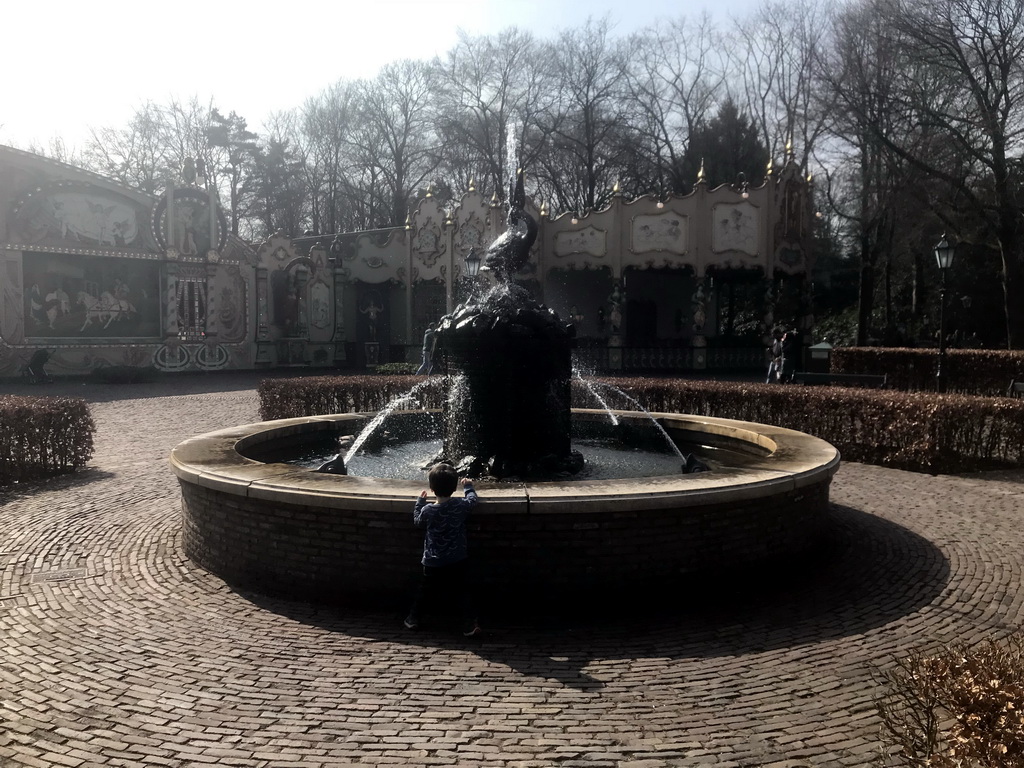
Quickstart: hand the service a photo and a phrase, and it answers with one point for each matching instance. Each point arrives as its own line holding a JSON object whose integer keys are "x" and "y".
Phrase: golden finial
{"x": 810, "y": 178}
{"x": 408, "y": 221}
{"x": 494, "y": 199}
{"x": 771, "y": 166}
{"x": 543, "y": 209}
{"x": 472, "y": 186}
{"x": 700, "y": 173}
{"x": 789, "y": 147}
{"x": 616, "y": 190}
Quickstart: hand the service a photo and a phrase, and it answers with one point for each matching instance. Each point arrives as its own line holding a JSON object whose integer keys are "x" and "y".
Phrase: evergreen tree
{"x": 727, "y": 145}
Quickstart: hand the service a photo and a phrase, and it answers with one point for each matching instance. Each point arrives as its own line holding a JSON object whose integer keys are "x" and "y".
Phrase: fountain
{"x": 281, "y": 529}
{"x": 516, "y": 357}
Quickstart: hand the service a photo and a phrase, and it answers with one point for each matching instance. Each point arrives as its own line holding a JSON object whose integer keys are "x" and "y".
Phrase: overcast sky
{"x": 75, "y": 65}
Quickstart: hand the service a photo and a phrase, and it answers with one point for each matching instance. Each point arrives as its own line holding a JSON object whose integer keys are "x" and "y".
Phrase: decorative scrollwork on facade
{"x": 211, "y": 357}
{"x": 428, "y": 243}
{"x": 470, "y": 234}
{"x": 172, "y": 357}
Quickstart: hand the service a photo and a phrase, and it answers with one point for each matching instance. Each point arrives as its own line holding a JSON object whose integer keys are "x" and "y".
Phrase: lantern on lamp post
{"x": 472, "y": 263}
{"x": 944, "y": 258}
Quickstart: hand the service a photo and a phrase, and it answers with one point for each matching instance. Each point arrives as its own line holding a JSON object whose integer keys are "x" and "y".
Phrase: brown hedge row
{"x": 970, "y": 371}
{"x": 922, "y": 432}
{"x": 919, "y": 431}
{"x": 317, "y": 395}
{"x": 43, "y": 436}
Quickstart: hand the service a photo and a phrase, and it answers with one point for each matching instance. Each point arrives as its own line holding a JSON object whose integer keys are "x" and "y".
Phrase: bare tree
{"x": 57, "y": 149}
{"x": 775, "y": 60}
{"x": 324, "y": 141}
{"x": 492, "y": 90}
{"x": 583, "y": 156}
{"x": 280, "y": 194}
{"x": 398, "y": 139}
{"x": 675, "y": 78}
{"x": 136, "y": 155}
{"x": 869, "y": 188}
{"x": 962, "y": 76}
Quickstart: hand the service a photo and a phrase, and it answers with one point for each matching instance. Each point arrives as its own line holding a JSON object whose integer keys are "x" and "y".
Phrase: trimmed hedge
{"x": 970, "y": 371}
{"x": 396, "y": 369}
{"x": 43, "y": 436}
{"x": 922, "y": 432}
{"x": 318, "y": 395}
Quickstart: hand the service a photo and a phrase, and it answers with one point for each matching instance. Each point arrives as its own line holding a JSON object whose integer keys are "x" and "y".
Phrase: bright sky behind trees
{"x": 73, "y": 65}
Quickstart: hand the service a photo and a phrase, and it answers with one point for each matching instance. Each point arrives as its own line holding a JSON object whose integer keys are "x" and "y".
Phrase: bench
{"x": 846, "y": 379}
{"x": 1016, "y": 388}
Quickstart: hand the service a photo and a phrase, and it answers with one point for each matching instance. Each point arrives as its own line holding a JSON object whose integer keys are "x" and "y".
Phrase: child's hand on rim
{"x": 466, "y": 481}
{"x": 423, "y": 494}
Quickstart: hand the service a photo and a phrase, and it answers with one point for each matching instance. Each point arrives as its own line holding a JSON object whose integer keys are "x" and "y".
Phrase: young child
{"x": 445, "y": 556}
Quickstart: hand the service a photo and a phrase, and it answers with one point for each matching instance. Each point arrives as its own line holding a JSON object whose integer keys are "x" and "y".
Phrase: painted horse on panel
{"x": 105, "y": 309}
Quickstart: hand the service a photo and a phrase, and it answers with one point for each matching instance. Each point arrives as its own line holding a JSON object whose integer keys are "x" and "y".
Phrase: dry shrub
{"x": 960, "y": 707}
{"x": 921, "y": 432}
{"x": 969, "y": 371}
{"x": 320, "y": 395}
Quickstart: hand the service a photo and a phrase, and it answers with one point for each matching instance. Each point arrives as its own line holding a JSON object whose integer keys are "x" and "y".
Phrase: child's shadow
{"x": 871, "y": 573}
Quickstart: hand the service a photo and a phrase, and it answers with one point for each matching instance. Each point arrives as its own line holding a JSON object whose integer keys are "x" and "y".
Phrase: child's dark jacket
{"x": 445, "y": 540}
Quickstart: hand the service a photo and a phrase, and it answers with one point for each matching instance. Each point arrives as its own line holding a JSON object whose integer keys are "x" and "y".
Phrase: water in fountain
{"x": 590, "y": 388}
{"x": 398, "y": 452}
{"x": 636, "y": 403}
{"x": 408, "y": 398}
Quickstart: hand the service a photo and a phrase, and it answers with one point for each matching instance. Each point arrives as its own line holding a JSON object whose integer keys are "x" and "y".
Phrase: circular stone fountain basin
{"x": 284, "y": 530}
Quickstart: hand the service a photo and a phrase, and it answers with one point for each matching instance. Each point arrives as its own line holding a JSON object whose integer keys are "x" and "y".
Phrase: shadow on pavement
{"x": 52, "y": 484}
{"x": 871, "y": 572}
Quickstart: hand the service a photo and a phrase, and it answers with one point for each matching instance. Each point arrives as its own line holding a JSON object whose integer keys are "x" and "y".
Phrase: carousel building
{"x": 99, "y": 274}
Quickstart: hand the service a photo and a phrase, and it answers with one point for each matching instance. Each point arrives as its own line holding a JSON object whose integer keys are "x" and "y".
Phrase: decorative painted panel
{"x": 82, "y": 214}
{"x": 231, "y": 306}
{"x": 734, "y": 227}
{"x": 74, "y": 296}
{"x": 666, "y": 231}
{"x": 589, "y": 240}
{"x": 319, "y": 305}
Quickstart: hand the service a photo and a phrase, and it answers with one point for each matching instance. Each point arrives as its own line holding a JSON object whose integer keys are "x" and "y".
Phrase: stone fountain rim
{"x": 796, "y": 460}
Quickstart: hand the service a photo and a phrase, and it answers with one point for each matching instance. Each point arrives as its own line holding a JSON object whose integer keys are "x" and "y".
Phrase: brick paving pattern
{"x": 118, "y": 651}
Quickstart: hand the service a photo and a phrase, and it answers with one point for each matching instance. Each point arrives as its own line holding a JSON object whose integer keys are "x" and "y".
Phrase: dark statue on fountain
{"x": 509, "y": 253}
{"x": 510, "y": 360}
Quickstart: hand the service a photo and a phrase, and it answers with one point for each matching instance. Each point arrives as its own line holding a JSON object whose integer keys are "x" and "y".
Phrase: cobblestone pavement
{"x": 117, "y": 651}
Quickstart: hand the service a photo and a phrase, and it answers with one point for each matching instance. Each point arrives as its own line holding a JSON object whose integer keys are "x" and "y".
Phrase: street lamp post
{"x": 944, "y": 258}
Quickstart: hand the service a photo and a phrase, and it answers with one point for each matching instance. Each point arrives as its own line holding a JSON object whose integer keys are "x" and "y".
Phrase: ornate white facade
{"x": 103, "y": 275}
